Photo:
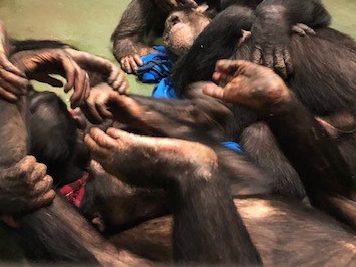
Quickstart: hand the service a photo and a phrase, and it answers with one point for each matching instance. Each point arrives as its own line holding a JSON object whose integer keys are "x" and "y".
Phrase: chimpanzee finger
{"x": 42, "y": 186}
{"x": 133, "y": 64}
{"x": 118, "y": 82}
{"x": 17, "y": 81}
{"x": 124, "y": 87}
{"x": 103, "y": 110}
{"x": 257, "y": 55}
{"x": 288, "y": 61}
{"x": 138, "y": 60}
{"x": 38, "y": 173}
{"x": 117, "y": 135}
{"x": 11, "y": 88}
{"x": 86, "y": 90}
{"x": 101, "y": 138}
{"x": 268, "y": 58}
{"x": 127, "y": 66}
{"x": 44, "y": 199}
{"x": 214, "y": 91}
{"x": 114, "y": 73}
{"x": 302, "y": 29}
{"x": 233, "y": 68}
{"x": 96, "y": 150}
{"x": 8, "y": 66}
{"x": 91, "y": 113}
{"x": 279, "y": 64}
{"x": 79, "y": 87}
{"x": 70, "y": 73}
{"x": 7, "y": 95}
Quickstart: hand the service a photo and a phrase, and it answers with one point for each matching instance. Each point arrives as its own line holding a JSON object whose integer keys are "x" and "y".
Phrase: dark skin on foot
{"x": 114, "y": 148}
{"x": 247, "y": 84}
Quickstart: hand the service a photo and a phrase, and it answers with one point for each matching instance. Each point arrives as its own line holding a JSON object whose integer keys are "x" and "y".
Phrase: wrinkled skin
{"x": 258, "y": 87}
{"x": 100, "y": 70}
{"x": 94, "y": 108}
{"x": 39, "y": 64}
{"x": 25, "y": 187}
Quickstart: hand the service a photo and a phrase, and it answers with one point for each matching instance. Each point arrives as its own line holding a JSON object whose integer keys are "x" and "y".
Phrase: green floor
{"x": 88, "y": 25}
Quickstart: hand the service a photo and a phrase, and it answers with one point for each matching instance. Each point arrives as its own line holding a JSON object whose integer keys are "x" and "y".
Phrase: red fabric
{"x": 75, "y": 191}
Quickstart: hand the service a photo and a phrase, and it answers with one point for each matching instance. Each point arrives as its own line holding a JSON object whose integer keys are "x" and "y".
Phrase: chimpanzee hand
{"x": 95, "y": 107}
{"x": 39, "y": 64}
{"x": 302, "y": 29}
{"x": 100, "y": 70}
{"x": 13, "y": 82}
{"x": 130, "y": 57}
{"x": 25, "y": 187}
{"x": 248, "y": 84}
{"x": 270, "y": 37}
{"x": 169, "y": 5}
{"x": 103, "y": 103}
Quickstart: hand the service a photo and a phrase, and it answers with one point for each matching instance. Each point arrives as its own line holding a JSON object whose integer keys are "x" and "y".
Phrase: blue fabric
{"x": 232, "y": 146}
{"x": 157, "y": 69}
{"x": 164, "y": 89}
{"x": 156, "y": 66}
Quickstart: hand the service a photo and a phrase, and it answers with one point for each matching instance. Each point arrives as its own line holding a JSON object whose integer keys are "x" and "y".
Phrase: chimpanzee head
{"x": 54, "y": 139}
{"x": 182, "y": 28}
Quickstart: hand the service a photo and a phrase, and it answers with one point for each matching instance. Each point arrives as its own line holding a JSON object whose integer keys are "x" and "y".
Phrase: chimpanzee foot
{"x": 148, "y": 161}
{"x": 249, "y": 84}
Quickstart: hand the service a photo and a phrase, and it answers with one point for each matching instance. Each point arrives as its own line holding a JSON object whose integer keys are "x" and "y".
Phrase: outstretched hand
{"x": 39, "y": 64}
{"x": 248, "y": 84}
{"x": 100, "y": 70}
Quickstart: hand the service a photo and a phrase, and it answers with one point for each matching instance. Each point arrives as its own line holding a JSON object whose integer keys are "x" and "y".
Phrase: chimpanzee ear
{"x": 202, "y": 8}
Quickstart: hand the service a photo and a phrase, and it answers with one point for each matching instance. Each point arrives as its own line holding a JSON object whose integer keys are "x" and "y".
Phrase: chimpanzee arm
{"x": 128, "y": 38}
{"x": 326, "y": 176}
{"x": 186, "y": 118}
{"x": 271, "y": 30}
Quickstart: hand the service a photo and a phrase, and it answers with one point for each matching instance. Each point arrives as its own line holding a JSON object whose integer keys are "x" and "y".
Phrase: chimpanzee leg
{"x": 207, "y": 228}
{"x": 187, "y": 119}
{"x": 202, "y": 120}
{"x": 326, "y": 176}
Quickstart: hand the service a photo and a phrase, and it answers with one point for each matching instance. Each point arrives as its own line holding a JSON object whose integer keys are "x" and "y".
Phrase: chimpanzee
{"x": 141, "y": 19}
{"x": 145, "y": 16}
{"x": 196, "y": 117}
{"x": 202, "y": 207}
{"x": 207, "y": 226}
{"x": 24, "y": 183}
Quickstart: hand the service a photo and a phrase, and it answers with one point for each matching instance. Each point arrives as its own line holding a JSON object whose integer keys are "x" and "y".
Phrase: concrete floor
{"x": 88, "y": 24}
